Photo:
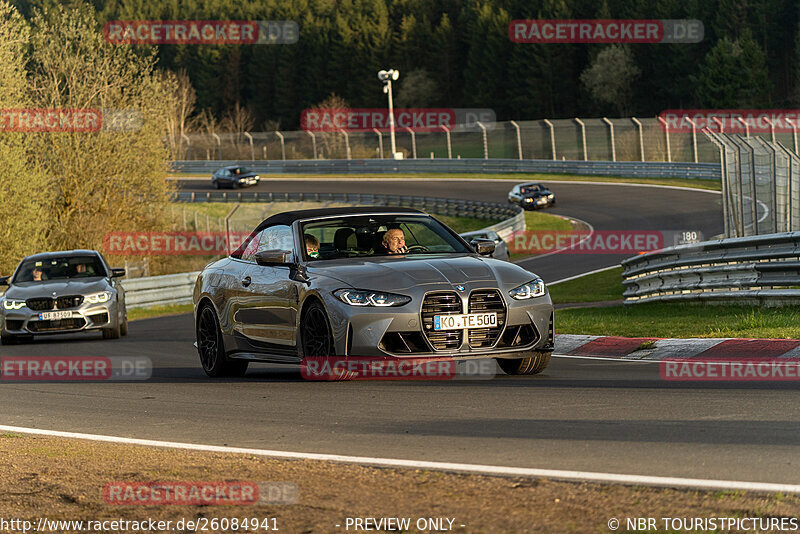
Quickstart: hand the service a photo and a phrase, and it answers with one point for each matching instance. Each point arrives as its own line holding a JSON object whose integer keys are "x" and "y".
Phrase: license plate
{"x": 55, "y": 315}
{"x": 459, "y": 322}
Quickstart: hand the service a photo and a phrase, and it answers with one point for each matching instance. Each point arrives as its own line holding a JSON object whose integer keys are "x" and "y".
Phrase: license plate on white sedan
{"x": 469, "y": 320}
{"x": 55, "y": 315}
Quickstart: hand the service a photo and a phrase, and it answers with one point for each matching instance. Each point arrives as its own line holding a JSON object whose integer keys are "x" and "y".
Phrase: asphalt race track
{"x": 586, "y": 415}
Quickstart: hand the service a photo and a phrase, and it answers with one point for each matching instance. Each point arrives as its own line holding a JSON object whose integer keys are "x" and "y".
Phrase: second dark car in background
{"x": 233, "y": 177}
{"x": 531, "y": 196}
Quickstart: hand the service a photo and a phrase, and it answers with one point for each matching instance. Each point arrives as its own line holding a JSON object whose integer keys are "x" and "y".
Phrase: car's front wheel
{"x": 316, "y": 339}
{"x": 533, "y": 365}
{"x": 211, "y": 347}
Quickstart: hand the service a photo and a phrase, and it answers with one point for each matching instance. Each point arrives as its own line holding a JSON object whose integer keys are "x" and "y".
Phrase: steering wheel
{"x": 417, "y": 248}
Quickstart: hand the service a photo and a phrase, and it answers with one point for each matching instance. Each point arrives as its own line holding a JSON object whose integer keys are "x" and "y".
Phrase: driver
{"x": 394, "y": 240}
{"x": 312, "y": 246}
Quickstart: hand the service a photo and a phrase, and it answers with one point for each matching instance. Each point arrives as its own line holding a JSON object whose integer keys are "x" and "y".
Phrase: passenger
{"x": 394, "y": 240}
{"x": 80, "y": 269}
{"x": 312, "y": 246}
{"x": 38, "y": 276}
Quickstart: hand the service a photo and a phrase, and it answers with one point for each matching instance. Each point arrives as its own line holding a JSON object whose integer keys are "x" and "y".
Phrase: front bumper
{"x": 85, "y": 317}
{"x": 399, "y": 331}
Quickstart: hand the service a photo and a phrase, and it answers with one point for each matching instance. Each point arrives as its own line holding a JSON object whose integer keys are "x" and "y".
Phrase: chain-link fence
{"x": 760, "y": 186}
{"x": 626, "y": 139}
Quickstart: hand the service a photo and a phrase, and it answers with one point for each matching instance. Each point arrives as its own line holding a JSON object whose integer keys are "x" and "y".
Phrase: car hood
{"x": 245, "y": 175}
{"x": 398, "y": 274}
{"x": 81, "y": 286}
{"x": 537, "y": 194}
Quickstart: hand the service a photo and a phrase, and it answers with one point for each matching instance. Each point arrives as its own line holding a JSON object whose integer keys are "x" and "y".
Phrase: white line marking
{"x": 604, "y": 358}
{"x": 614, "y": 478}
{"x": 600, "y": 270}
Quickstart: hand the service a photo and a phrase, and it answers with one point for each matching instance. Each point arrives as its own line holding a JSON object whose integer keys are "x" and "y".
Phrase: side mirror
{"x": 484, "y": 247}
{"x": 117, "y": 273}
{"x": 4, "y": 280}
{"x": 268, "y": 258}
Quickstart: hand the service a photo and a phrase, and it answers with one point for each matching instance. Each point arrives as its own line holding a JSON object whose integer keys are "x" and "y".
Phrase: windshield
{"x": 59, "y": 268}
{"x": 239, "y": 170}
{"x": 378, "y": 235}
{"x": 528, "y": 189}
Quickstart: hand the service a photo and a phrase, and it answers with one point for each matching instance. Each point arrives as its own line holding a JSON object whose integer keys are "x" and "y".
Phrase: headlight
{"x": 11, "y": 304}
{"x": 534, "y": 288}
{"x": 98, "y": 298}
{"x": 360, "y": 297}
{"x": 528, "y": 199}
{"x": 551, "y": 195}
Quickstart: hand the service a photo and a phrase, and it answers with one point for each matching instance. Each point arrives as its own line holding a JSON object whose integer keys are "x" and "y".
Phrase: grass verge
{"x": 158, "y": 311}
{"x": 538, "y": 221}
{"x": 656, "y": 319}
{"x": 606, "y": 285}
{"x": 64, "y": 479}
{"x": 712, "y": 185}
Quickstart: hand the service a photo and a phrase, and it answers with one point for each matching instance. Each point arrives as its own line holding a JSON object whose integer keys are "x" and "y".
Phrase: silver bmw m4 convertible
{"x": 368, "y": 282}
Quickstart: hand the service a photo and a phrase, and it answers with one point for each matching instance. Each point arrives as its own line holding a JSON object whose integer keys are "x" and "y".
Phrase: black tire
{"x": 316, "y": 337}
{"x": 211, "y": 347}
{"x": 114, "y": 332}
{"x": 525, "y": 366}
{"x": 218, "y": 186}
{"x": 123, "y": 328}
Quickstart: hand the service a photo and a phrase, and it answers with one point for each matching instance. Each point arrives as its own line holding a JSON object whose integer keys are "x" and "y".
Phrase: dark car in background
{"x": 531, "y": 196}
{"x": 233, "y": 177}
{"x": 500, "y": 246}
{"x": 61, "y": 293}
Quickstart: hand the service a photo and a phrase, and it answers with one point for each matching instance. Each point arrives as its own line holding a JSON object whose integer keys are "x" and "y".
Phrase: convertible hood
{"x": 81, "y": 286}
{"x": 397, "y": 274}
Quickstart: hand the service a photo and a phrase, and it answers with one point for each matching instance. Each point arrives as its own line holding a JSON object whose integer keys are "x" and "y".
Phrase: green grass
{"x": 606, "y": 285}
{"x": 681, "y": 320}
{"x": 538, "y": 221}
{"x": 158, "y": 311}
{"x": 465, "y": 224}
{"x": 712, "y": 185}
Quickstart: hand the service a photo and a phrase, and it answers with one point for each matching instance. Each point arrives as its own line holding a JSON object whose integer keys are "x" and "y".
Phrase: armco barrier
{"x": 656, "y": 169}
{"x": 177, "y": 288}
{"x": 763, "y": 270}
{"x": 159, "y": 290}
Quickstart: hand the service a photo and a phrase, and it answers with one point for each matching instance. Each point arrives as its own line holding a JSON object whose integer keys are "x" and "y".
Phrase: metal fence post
{"x": 794, "y": 133}
{"x": 719, "y": 123}
{"x": 552, "y": 137}
{"x": 641, "y": 136}
{"x": 346, "y": 143}
{"x": 771, "y": 128}
{"x": 189, "y": 146}
{"x": 519, "y": 138}
{"x": 666, "y": 135}
{"x": 380, "y": 140}
{"x": 252, "y": 150}
{"x": 283, "y": 145}
{"x": 583, "y": 138}
{"x": 485, "y": 140}
{"x": 413, "y": 142}
{"x": 694, "y": 138}
{"x": 613, "y": 141}
{"x": 723, "y": 158}
{"x": 746, "y": 126}
{"x": 449, "y": 145}
{"x": 219, "y": 146}
{"x": 313, "y": 142}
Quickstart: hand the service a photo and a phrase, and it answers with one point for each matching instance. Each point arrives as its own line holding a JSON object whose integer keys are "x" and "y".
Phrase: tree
{"x": 417, "y": 90}
{"x": 107, "y": 179}
{"x": 733, "y": 75}
{"x": 180, "y": 99}
{"x": 609, "y": 79}
{"x": 23, "y": 185}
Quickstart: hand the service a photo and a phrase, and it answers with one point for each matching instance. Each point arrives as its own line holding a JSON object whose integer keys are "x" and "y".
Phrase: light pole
{"x": 387, "y": 76}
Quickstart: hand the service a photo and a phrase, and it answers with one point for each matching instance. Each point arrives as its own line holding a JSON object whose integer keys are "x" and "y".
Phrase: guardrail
{"x": 177, "y": 288}
{"x": 441, "y": 206}
{"x": 656, "y": 169}
{"x": 159, "y": 290}
{"x": 762, "y": 270}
